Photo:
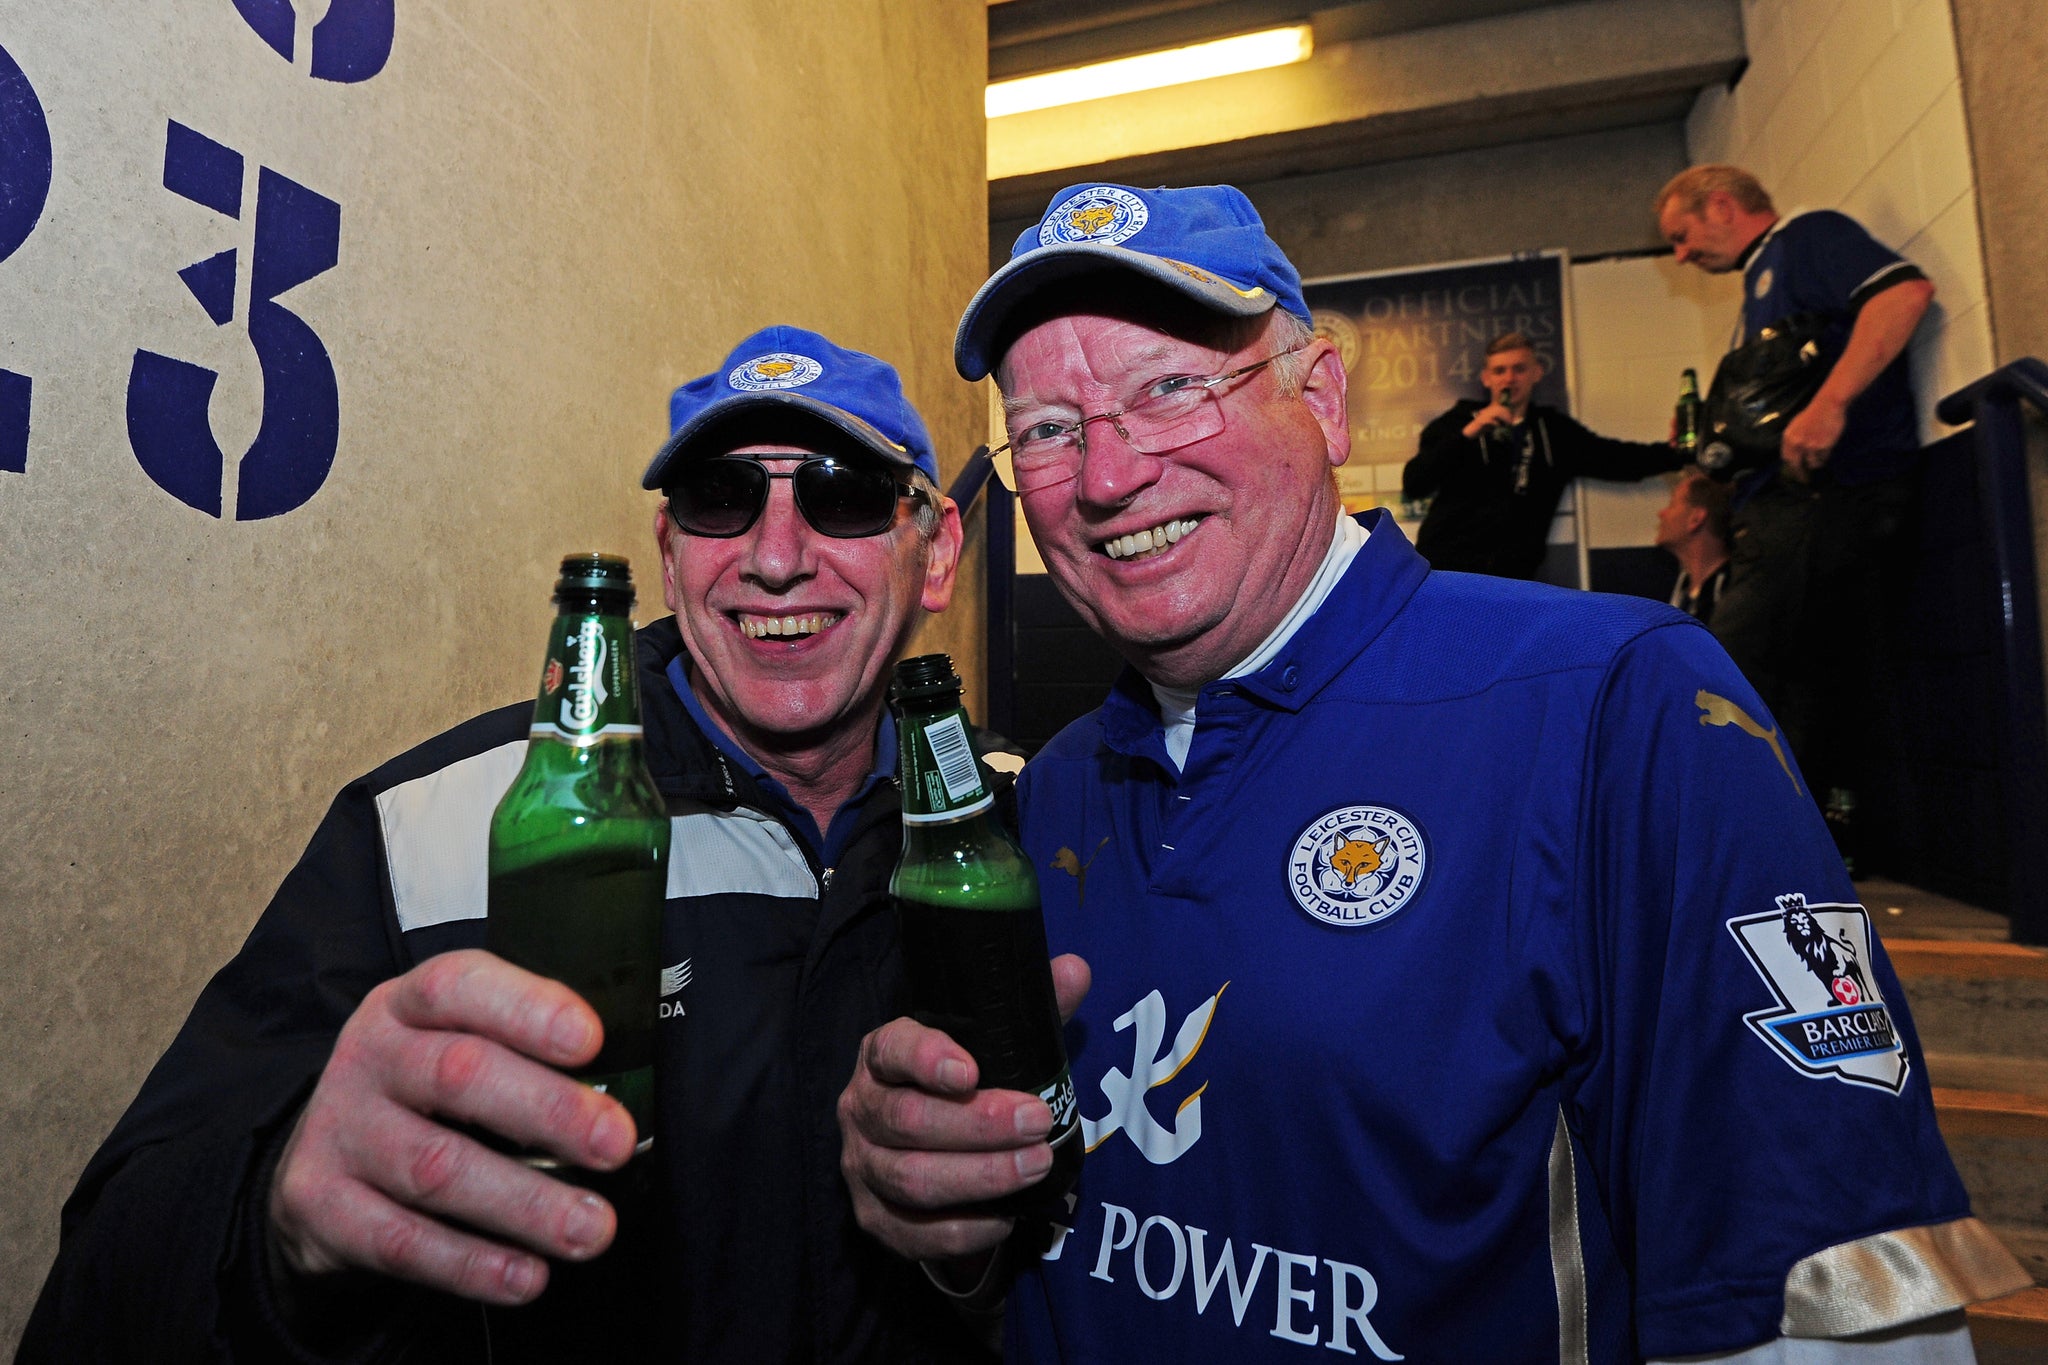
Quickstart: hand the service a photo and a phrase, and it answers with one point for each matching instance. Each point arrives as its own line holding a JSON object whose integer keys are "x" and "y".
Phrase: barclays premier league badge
{"x": 1357, "y": 865}
{"x": 1830, "y": 1022}
{"x": 1102, "y": 216}
{"x": 779, "y": 370}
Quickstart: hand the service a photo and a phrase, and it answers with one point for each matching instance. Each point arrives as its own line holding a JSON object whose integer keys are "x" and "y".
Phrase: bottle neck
{"x": 941, "y": 776}
{"x": 589, "y": 687}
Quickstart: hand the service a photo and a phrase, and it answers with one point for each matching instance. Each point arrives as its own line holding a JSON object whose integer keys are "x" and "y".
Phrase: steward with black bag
{"x": 1814, "y": 420}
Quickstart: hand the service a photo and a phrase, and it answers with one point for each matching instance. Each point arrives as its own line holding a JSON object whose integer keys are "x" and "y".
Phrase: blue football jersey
{"x": 1824, "y": 263}
{"x": 1487, "y": 987}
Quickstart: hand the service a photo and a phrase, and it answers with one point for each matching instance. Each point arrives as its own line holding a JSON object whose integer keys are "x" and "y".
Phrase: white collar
{"x": 1177, "y": 704}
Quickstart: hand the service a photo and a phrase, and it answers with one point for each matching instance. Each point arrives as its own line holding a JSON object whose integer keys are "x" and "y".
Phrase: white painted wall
{"x": 1637, "y": 323}
{"x": 1857, "y": 105}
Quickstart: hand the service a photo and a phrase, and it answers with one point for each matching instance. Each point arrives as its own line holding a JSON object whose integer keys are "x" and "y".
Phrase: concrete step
{"x": 2012, "y": 1330}
{"x": 1966, "y": 1071}
{"x": 1999, "y": 1142}
{"x": 1975, "y": 998}
{"x": 1980, "y": 1004}
{"x": 1991, "y": 1113}
{"x": 2029, "y": 1247}
{"x": 1901, "y": 911}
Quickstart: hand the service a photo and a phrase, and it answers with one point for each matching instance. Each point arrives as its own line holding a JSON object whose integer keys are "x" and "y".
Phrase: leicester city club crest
{"x": 1102, "y": 216}
{"x": 777, "y": 370}
{"x": 1830, "y": 1021}
{"x": 1357, "y": 865}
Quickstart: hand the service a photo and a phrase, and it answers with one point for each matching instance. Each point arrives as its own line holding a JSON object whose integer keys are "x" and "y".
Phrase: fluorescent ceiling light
{"x": 1176, "y": 66}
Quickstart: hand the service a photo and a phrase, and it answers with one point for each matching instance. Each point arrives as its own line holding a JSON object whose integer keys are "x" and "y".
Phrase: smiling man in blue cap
{"x": 1471, "y": 977}
{"x": 302, "y": 1177}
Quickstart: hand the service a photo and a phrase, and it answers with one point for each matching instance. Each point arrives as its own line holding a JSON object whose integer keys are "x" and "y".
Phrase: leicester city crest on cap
{"x": 1357, "y": 865}
{"x": 1102, "y": 216}
{"x": 1830, "y": 1022}
{"x": 776, "y": 370}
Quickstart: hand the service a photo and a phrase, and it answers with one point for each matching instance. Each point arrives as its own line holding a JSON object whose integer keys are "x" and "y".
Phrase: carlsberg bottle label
{"x": 588, "y": 688}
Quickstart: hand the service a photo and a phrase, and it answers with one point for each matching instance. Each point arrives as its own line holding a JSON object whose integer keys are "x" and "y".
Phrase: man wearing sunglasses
{"x": 302, "y": 1177}
{"x": 1471, "y": 977}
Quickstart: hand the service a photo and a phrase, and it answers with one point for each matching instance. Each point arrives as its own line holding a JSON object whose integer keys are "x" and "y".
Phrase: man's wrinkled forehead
{"x": 1119, "y": 296}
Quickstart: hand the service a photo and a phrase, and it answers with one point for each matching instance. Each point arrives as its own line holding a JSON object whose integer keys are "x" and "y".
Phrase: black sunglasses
{"x": 722, "y": 497}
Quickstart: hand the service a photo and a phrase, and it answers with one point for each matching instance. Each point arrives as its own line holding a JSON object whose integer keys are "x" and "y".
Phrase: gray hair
{"x": 1285, "y": 330}
{"x": 929, "y": 501}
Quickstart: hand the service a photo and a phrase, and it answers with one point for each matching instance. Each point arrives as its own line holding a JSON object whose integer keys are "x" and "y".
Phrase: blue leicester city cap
{"x": 1206, "y": 242}
{"x": 785, "y": 369}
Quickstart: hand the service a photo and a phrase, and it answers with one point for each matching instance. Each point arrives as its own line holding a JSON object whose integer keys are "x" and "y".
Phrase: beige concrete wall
{"x": 550, "y": 214}
{"x": 1636, "y": 323}
{"x": 2003, "y": 47}
{"x": 1857, "y": 105}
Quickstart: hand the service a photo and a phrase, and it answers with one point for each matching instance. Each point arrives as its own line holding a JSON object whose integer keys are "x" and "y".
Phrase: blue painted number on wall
{"x": 298, "y": 236}
{"x": 24, "y": 189}
{"x": 351, "y": 42}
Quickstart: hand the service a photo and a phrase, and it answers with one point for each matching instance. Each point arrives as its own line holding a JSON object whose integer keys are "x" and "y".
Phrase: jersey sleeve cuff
{"x": 1898, "y": 272}
{"x": 1897, "y": 1277}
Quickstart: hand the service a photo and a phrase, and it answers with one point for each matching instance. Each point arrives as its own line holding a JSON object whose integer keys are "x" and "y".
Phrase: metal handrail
{"x": 2025, "y": 378}
{"x": 1992, "y": 404}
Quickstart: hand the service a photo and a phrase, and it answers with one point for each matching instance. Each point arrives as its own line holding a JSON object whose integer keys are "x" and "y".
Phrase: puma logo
{"x": 1069, "y": 862}
{"x": 1721, "y": 711}
{"x": 1355, "y": 858}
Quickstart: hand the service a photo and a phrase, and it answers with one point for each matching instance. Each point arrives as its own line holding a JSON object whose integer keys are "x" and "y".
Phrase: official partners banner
{"x": 1414, "y": 341}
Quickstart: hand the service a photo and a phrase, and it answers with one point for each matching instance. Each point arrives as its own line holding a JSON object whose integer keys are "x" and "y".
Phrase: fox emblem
{"x": 1718, "y": 710}
{"x": 1092, "y": 219}
{"x": 1355, "y": 858}
{"x": 773, "y": 369}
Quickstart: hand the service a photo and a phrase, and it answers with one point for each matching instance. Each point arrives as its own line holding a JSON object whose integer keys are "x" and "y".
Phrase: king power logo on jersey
{"x": 1172, "y": 1261}
{"x": 1150, "y": 1069}
{"x": 1830, "y": 1022}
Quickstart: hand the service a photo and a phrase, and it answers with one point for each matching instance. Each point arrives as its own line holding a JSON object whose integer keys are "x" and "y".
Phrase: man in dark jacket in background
{"x": 1494, "y": 468}
{"x": 300, "y": 1180}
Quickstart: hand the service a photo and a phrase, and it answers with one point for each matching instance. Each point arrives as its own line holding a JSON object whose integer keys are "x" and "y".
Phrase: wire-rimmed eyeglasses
{"x": 1168, "y": 414}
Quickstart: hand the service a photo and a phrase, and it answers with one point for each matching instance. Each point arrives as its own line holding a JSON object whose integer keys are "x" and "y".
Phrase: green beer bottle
{"x": 1687, "y": 426}
{"x": 579, "y": 843}
{"x": 973, "y": 938}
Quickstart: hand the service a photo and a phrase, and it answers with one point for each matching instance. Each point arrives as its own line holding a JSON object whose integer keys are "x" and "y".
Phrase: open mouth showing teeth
{"x": 756, "y": 627}
{"x": 1149, "y": 542}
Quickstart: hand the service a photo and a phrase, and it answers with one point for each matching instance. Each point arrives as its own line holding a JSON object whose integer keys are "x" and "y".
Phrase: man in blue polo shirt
{"x": 1472, "y": 979}
{"x": 1803, "y": 614}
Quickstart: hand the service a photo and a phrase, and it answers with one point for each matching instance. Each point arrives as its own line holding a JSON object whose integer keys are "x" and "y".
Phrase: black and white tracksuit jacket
{"x": 743, "y": 1245}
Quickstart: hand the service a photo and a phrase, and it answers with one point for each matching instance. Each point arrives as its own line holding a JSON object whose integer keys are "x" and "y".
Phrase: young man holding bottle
{"x": 312, "y": 1171}
{"x": 1472, "y": 979}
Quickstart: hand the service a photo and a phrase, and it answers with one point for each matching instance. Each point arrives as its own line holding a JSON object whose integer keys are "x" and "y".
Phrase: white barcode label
{"x": 955, "y": 757}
